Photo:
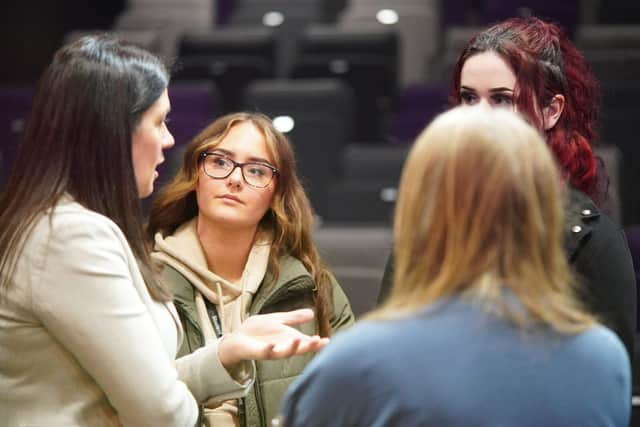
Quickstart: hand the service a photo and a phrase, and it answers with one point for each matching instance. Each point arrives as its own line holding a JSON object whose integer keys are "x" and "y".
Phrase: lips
{"x": 230, "y": 197}
{"x": 155, "y": 171}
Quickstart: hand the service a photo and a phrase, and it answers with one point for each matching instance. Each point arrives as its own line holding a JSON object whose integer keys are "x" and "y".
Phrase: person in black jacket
{"x": 531, "y": 66}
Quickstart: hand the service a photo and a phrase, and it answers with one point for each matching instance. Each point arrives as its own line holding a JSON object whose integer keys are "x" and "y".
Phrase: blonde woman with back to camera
{"x": 482, "y": 326}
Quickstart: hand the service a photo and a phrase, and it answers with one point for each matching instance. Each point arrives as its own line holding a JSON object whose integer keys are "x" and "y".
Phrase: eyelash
{"x": 466, "y": 97}
{"x": 503, "y": 98}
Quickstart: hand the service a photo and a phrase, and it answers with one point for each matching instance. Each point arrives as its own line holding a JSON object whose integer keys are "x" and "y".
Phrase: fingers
{"x": 313, "y": 344}
{"x": 294, "y": 317}
{"x": 298, "y": 346}
{"x": 287, "y": 350}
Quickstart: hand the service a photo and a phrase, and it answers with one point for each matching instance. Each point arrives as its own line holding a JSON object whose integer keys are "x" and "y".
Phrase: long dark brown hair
{"x": 290, "y": 217}
{"x": 77, "y": 141}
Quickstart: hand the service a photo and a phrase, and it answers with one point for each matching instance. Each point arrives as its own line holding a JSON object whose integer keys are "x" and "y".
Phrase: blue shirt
{"x": 454, "y": 364}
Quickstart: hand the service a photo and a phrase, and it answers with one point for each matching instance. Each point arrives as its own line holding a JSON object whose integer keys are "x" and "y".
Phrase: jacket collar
{"x": 293, "y": 278}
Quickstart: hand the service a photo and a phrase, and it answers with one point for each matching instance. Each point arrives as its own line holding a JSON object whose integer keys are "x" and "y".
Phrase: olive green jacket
{"x": 293, "y": 289}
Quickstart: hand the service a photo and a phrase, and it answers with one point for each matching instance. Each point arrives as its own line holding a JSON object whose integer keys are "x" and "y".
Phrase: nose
{"x": 235, "y": 179}
{"x": 169, "y": 141}
{"x": 484, "y": 102}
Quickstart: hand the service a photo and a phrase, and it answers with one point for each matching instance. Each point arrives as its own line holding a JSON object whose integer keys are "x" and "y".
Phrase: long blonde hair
{"x": 480, "y": 211}
{"x": 290, "y": 217}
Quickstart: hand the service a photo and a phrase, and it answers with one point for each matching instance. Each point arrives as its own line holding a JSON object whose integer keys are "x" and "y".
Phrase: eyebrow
{"x": 494, "y": 90}
{"x": 500, "y": 89}
{"x": 232, "y": 154}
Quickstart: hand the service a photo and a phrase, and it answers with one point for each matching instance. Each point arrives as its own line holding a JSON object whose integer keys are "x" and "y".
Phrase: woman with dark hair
{"x": 482, "y": 326}
{"x": 532, "y": 67}
{"x": 234, "y": 232}
{"x": 88, "y": 334}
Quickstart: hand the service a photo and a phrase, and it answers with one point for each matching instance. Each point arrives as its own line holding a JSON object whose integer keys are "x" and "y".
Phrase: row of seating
{"x": 347, "y": 182}
{"x": 613, "y": 52}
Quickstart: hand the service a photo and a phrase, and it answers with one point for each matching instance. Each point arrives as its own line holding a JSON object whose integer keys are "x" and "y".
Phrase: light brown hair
{"x": 480, "y": 212}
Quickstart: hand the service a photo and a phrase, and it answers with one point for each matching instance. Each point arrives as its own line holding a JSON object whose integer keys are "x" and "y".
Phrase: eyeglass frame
{"x": 202, "y": 157}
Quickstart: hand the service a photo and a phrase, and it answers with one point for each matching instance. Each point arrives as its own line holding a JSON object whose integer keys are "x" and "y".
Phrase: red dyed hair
{"x": 545, "y": 63}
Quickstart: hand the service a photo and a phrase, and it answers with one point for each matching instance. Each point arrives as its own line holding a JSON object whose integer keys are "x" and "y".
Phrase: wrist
{"x": 226, "y": 353}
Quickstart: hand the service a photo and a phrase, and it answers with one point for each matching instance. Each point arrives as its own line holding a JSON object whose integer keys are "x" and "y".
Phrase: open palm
{"x": 269, "y": 336}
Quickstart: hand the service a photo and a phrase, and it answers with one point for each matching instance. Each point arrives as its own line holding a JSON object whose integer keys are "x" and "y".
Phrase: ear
{"x": 552, "y": 112}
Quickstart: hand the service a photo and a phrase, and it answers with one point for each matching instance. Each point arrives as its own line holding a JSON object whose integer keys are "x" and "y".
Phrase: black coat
{"x": 597, "y": 250}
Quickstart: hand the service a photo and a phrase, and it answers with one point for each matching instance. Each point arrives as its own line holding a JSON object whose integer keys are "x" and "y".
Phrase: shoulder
{"x": 69, "y": 226}
{"x": 600, "y": 352}
{"x": 603, "y": 347}
{"x": 595, "y": 244}
{"x": 180, "y": 286}
{"x": 291, "y": 267}
{"x": 69, "y": 217}
{"x": 364, "y": 342}
{"x": 586, "y": 223}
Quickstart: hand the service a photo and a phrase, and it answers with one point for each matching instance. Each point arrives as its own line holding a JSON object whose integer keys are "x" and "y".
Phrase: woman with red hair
{"x": 531, "y": 66}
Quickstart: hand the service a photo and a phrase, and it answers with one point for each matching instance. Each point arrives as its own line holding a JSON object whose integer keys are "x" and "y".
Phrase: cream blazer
{"x": 83, "y": 344}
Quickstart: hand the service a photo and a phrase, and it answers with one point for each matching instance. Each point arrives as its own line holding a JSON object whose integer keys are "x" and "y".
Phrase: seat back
{"x": 356, "y": 255}
{"x": 321, "y": 111}
{"x": 231, "y": 58}
{"x": 15, "y": 106}
{"x": 364, "y": 59}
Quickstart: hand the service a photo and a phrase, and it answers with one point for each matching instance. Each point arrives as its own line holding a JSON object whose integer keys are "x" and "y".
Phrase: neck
{"x": 226, "y": 249}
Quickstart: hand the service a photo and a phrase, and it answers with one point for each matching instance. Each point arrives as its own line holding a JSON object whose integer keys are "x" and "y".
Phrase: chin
{"x": 144, "y": 193}
{"x": 232, "y": 219}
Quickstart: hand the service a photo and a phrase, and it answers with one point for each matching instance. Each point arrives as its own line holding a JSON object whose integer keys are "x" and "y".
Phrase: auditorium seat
{"x": 150, "y": 40}
{"x": 168, "y": 17}
{"x": 365, "y": 59}
{"x": 455, "y": 38}
{"x": 613, "y": 52}
{"x": 612, "y": 161}
{"x": 356, "y": 255}
{"x": 286, "y": 17}
{"x": 415, "y": 108}
{"x": 319, "y": 113}
{"x": 230, "y": 57}
{"x": 15, "y": 106}
{"x": 194, "y": 104}
{"x": 417, "y": 24}
{"x": 366, "y": 190}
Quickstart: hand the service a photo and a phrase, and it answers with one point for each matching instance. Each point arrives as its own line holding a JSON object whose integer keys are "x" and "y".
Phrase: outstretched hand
{"x": 269, "y": 336}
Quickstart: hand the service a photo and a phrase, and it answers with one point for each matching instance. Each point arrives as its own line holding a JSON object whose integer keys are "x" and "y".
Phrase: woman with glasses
{"x": 233, "y": 230}
{"x": 88, "y": 332}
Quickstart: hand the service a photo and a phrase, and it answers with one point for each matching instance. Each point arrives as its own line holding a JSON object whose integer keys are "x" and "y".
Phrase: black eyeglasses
{"x": 255, "y": 174}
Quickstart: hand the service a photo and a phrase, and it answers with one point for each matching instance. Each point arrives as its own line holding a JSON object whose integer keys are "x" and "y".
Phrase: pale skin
{"x": 268, "y": 336}
{"x": 229, "y": 208}
{"x": 486, "y": 78}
